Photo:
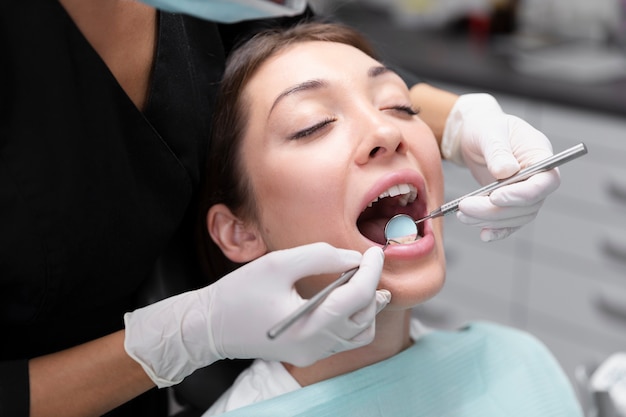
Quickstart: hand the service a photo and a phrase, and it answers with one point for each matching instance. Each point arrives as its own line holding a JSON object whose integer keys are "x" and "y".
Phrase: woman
{"x": 316, "y": 141}
{"x": 105, "y": 109}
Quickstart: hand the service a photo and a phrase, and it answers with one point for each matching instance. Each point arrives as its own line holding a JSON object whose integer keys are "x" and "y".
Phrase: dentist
{"x": 103, "y": 129}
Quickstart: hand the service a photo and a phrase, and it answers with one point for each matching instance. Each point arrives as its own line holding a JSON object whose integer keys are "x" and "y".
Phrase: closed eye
{"x": 312, "y": 129}
{"x": 409, "y": 110}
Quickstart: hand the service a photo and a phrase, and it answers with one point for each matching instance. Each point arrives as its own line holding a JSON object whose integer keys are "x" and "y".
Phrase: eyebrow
{"x": 373, "y": 72}
{"x": 378, "y": 70}
{"x": 307, "y": 85}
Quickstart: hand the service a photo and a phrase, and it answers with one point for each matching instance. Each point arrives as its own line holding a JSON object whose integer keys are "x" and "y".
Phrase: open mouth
{"x": 397, "y": 199}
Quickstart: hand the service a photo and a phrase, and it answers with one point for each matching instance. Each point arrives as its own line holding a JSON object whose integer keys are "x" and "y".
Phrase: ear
{"x": 239, "y": 241}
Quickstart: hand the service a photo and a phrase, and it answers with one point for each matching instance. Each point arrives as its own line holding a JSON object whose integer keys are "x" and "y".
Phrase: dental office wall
{"x": 563, "y": 276}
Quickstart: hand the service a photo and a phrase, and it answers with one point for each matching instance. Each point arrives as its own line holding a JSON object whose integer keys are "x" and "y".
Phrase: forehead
{"x": 311, "y": 60}
{"x": 322, "y": 52}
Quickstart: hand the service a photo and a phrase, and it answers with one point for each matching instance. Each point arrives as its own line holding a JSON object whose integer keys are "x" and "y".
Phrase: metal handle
{"x": 541, "y": 166}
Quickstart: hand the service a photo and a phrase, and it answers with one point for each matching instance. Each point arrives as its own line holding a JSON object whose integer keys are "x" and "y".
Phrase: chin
{"x": 410, "y": 290}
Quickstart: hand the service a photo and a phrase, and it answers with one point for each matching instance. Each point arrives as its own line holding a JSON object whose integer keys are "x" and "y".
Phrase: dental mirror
{"x": 401, "y": 228}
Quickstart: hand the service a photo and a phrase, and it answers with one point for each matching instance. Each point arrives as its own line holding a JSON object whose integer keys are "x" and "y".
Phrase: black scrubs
{"x": 92, "y": 191}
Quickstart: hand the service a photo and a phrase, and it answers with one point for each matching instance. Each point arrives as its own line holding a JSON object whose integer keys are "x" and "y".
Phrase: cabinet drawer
{"x": 480, "y": 270}
{"x": 593, "y": 181}
{"x": 595, "y": 129}
{"x": 588, "y": 245}
{"x": 581, "y": 303}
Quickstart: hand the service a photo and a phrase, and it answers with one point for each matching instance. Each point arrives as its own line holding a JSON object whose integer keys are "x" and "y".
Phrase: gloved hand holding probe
{"x": 495, "y": 145}
{"x": 229, "y": 319}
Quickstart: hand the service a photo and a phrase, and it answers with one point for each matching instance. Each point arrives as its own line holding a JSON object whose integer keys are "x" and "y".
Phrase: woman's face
{"x": 330, "y": 131}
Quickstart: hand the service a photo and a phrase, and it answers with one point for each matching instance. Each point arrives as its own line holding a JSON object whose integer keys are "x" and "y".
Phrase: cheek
{"x": 435, "y": 181}
{"x": 295, "y": 198}
{"x": 423, "y": 285}
{"x": 425, "y": 150}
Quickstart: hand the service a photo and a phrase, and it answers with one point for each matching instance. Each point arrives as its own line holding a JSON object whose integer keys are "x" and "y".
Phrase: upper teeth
{"x": 407, "y": 191}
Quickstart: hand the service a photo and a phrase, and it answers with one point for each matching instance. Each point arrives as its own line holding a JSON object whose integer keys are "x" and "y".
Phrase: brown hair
{"x": 224, "y": 182}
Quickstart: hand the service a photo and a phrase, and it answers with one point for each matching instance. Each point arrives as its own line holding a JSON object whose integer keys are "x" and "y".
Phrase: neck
{"x": 124, "y": 34}
{"x": 392, "y": 337}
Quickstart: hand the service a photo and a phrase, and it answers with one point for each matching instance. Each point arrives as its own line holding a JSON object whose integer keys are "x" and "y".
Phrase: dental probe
{"x": 541, "y": 166}
{"x": 447, "y": 208}
{"x": 313, "y": 302}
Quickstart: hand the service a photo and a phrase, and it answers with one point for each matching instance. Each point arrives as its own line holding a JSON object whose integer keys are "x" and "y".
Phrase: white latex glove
{"x": 230, "y": 318}
{"x": 495, "y": 145}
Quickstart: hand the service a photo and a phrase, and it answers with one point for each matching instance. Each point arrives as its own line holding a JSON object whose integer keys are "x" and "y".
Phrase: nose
{"x": 382, "y": 138}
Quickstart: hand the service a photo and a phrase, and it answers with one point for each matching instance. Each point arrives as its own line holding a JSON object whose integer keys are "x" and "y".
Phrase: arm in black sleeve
{"x": 14, "y": 389}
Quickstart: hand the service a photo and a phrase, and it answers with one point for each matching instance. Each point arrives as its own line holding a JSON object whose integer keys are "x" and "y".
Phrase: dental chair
{"x": 595, "y": 403}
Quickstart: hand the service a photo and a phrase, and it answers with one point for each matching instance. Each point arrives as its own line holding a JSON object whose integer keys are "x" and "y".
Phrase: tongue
{"x": 374, "y": 229}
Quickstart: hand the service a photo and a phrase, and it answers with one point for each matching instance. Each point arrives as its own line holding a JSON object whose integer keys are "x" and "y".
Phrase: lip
{"x": 416, "y": 210}
{"x": 405, "y": 176}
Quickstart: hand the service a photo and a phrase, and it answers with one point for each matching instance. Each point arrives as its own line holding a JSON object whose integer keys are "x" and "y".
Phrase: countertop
{"x": 487, "y": 64}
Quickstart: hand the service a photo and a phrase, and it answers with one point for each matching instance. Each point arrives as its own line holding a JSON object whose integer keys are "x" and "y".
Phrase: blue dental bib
{"x": 483, "y": 370}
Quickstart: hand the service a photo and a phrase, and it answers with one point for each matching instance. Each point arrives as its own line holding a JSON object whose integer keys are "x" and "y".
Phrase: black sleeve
{"x": 14, "y": 389}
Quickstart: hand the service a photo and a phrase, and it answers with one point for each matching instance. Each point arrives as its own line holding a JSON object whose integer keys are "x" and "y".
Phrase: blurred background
{"x": 560, "y": 65}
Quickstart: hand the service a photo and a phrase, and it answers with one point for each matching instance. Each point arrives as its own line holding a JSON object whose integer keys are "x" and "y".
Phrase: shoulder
{"x": 506, "y": 351}
{"x": 496, "y": 351}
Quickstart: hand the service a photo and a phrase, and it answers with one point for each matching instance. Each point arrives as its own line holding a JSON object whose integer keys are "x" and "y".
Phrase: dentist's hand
{"x": 495, "y": 145}
{"x": 230, "y": 318}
